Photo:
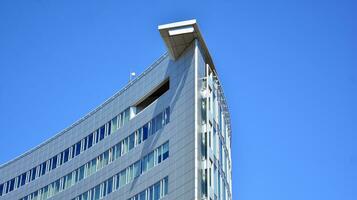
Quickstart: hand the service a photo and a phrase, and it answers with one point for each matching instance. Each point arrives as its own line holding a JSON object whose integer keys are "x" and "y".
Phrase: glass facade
{"x": 122, "y": 178}
{"x": 216, "y": 173}
{"x": 155, "y": 192}
{"x": 108, "y": 157}
{"x": 68, "y": 153}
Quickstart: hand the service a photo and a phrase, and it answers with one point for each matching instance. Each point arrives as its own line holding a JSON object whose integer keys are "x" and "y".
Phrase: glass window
{"x": 109, "y": 128}
{"x": 131, "y": 141}
{"x": 158, "y": 122}
{"x": 118, "y": 150}
{"x": 157, "y": 191}
{"x": 129, "y": 174}
{"x": 150, "y": 160}
{"x": 165, "y": 151}
{"x": 12, "y": 184}
{"x": 110, "y": 185}
{"x": 122, "y": 179}
{"x": 66, "y": 154}
{"x": 167, "y": 115}
{"x": 137, "y": 169}
{"x": 124, "y": 146}
{"x": 102, "y": 132}
{"x": 81, "y": 173}
{"x": 127, "y": 115}
{"x": 114, "y": 124}
{"x": 145, "y": 132}
{"x": 1, "y": 188}
{"x": 144, "y": 164}
{"x": 96, "y": 136}
{"x": 96, "y": 192}
{"x": 142, "y": 195}
{"x": 54, "y": 162}
{"x": 85, "y": 141}
{"x": 33, "y": 173}
{"x": 139, "y": 136}
{"x": 23, "y": 179}
{"x": 43, "y": 168}
{"x": 158, "y": 155}
{"x": 90, "y": 140}
{"x": 78, "y": 148}
{"x": 166, "y": 185}
{"x": 106, "y": 157}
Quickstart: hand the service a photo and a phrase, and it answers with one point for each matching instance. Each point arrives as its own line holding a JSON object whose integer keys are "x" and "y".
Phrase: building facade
{"x": 165, "y": 135}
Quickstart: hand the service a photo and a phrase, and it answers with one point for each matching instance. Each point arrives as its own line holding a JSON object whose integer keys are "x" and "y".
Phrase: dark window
{"x": 73, "y": 149}
{"x": 151, "y": 97}
{"x": 43, "y": 170}
{"x": 78, "y": 148}
{"x": 145, "y": 132}
{"x": 110, "y": 185}
{"x": 18, "y": 181}
{"x": 102, "y": 131}
{"x": 96, "y": 136}
{"x": 60, "y": 158}
{"x": 167, "y": 115}
{"x": 85, "y": 143}
{"x": 23, "y": 179}
{"x": 131, "y": 141}
{"x": 66, "y": 154}
{"x": 33, "y": 173}
{"x": 158, "y": 122}
{"x": 90, "y": 140}
{"x": 54, "y": 162}
{"x": 109, "y": 128}
{"x": 12, "y": 184}
{"x": 153, "y": 126}
{"x": 157, "y": 191}
{"x": 1, "y": 188}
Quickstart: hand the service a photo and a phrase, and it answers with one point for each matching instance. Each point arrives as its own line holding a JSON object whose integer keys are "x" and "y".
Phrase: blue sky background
{"x": 289, "y": 70}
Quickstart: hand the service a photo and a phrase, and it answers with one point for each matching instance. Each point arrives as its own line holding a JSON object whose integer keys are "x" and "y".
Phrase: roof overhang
{"x": 179, "y": 36}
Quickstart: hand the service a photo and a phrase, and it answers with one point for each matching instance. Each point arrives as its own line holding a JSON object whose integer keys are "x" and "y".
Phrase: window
{"x": 145, "y": 132}
{"x": 124, "y": 146}
{"x": 167, "y": 115}
{"x": 131, "y": 141}
{"x": 102, "y": 132}
{"x": 118, "y": 150}
{"x": 157, "y": 191}
{"x": 23, "y": 179}
{"x": 33, "y": 173}
{"x": 106, "y": 157}
{"x": 81, "y": 173}
{"x": 110, "y": 185}
{"x": 43, "y": 168}
{"x": 137, "y": 169}
{"x": 66, "y": 154}
{"x": 165, "y": 151}
{"x": 122, "y": 179}
{"x": 114, "y": 124}
{"x": 54, "y": 162}
{"x": 96, "y": 192}
{"x": 90, "y": 140}
{"x": 129, "y": 174}
{"x": 150, "y": 160}
{"x": 1, "y": 189}
{"x": 78, "y": 148}
{"x": 138, "y": 136}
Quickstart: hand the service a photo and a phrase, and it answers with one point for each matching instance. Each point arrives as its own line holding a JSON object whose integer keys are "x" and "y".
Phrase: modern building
{"x": 165, "y": 135}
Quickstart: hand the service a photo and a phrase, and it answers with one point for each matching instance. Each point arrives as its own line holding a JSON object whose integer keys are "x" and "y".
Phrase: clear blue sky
{"x": 289, "y": 70}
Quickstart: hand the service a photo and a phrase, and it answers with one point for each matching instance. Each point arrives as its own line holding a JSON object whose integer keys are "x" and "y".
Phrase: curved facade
{"x": 166, "y": 135}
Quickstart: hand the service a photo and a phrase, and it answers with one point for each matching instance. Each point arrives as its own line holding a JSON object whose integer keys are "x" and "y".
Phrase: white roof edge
{"x": 177, "y": 24}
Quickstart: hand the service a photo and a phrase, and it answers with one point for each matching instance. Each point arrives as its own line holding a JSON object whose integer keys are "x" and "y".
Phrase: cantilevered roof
{"x": 179, "y": 35}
